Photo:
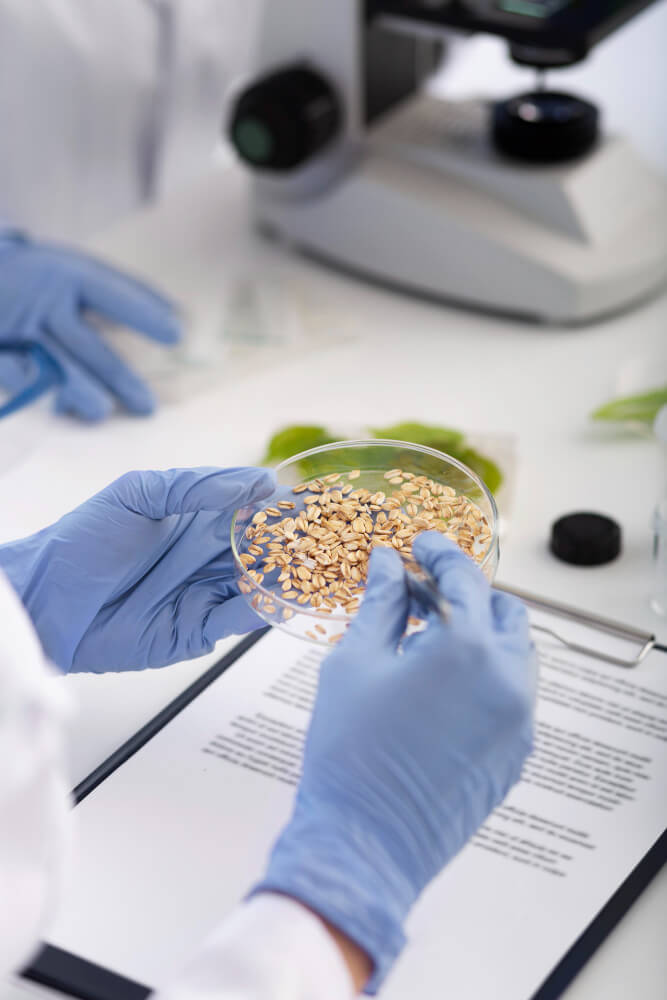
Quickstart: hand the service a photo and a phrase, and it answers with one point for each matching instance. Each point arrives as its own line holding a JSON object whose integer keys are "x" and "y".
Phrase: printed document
{"x": 172, "y": 840}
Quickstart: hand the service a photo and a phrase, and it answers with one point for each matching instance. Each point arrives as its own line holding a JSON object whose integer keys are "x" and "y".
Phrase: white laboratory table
{"x": 359, "y": 355}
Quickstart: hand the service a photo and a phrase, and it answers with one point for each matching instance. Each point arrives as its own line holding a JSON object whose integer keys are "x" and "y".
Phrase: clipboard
{"x": 75, "y": 976}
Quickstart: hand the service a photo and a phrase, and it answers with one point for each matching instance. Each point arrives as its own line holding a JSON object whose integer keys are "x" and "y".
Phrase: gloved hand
{"x": 407, "y": 753}
{"x": 141, "y": 575}
{"x": 45, "y": 292}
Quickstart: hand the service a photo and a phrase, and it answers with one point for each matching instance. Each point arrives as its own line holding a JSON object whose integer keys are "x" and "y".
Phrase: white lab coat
{"x": 105, "y": 103}
{"x": 269, "y": 949}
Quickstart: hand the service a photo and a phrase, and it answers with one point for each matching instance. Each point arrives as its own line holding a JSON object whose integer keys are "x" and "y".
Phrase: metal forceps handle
{"x": 49, "y": 373}
{"x": 645, "y": 640}
{"x": 424, "y": 590}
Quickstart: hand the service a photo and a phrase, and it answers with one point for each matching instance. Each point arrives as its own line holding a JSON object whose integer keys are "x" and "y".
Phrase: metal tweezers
{"x": 645, "y": 640}
{"x": 424, "y": 590}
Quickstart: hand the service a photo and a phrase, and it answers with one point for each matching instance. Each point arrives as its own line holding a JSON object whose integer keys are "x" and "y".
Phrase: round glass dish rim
{"x": 363, "y": 443}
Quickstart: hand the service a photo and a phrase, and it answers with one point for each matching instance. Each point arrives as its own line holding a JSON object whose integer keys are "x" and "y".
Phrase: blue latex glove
{"x": 407, "y": 753}
{"x": 141, "y": 575}
{"x": 45, "y": 293}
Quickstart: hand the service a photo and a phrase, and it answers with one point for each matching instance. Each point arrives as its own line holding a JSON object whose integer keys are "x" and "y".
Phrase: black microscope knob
{"x": 544, "y": 126}
{"x": 285, "y": 119}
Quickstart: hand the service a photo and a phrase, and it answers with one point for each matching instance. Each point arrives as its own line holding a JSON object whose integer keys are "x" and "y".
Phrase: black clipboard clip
{"x": 645, "y": 641}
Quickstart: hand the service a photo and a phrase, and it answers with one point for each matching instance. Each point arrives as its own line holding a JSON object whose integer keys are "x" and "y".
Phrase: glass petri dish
{"x": 287, "y": 574}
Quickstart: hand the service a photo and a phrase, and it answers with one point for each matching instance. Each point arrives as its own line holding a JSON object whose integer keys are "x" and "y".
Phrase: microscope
{"x": 524, "y": 206}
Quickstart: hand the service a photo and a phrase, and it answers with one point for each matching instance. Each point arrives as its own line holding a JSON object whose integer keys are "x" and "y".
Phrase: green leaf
{"x": 291, "y": 440}
{"x": 449, "y": 440}
{"x": 440, "y": 438}
{"x": 486, "y": 468}
{"x": 638, "y": 409}
{"x": 372, "y": 459}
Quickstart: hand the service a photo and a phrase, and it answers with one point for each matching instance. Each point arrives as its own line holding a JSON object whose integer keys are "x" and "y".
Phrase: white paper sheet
{"x": 172, "y": 840}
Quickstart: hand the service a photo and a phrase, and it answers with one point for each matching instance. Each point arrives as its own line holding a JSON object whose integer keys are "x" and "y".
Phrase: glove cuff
{"x": 326, "y": 867}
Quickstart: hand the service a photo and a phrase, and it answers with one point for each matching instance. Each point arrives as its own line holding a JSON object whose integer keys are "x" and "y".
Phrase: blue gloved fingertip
{"x": 139, "y": 400}
{"x": 91, "y": 411}
{"x": 173, "y": 326}
{"x": 266, "y": 484}
{"x": 509, "y": 613}
{"x": 384, "y": 565}
{"x": 430, "y": 543}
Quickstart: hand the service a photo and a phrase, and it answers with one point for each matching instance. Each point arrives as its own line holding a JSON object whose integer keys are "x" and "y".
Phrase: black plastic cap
{"x": 586, "y": 539}
{"x": 544, "y": 126}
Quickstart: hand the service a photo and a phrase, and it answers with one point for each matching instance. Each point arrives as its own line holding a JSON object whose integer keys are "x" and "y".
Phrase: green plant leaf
{"x": 440, "y": 438}
{"x": 486, "y": 468}
{"x": 637, "y": 409}
{"x": 446, "y": 439}
{"x": 291, "y": 440}
{"x": 370, "y": 459}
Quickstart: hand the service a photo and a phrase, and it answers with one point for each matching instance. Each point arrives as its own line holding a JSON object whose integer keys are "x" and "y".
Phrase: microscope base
{"x": 430, "y": 207}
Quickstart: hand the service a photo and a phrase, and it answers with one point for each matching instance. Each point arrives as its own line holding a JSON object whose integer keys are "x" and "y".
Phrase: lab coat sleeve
{"x": 271, "y": 948}
{"x": 132, "y": 110}
{"x": 33, "y": 792}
